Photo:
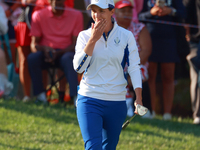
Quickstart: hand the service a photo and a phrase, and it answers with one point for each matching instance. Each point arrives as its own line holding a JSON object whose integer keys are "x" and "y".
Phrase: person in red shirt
{"x": 54, "y": 33}
{"x": 42, "y": 3}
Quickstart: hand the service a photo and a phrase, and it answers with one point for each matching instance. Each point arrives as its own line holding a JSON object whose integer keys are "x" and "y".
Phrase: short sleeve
{"x": 35, "y": 25}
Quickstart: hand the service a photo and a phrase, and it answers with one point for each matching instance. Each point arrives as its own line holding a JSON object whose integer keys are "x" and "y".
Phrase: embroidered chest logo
{"x": 117, "y": 41}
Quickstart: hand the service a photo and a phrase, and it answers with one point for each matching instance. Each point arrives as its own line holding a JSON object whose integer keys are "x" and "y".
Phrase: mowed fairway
{"x": 32, "y": 127}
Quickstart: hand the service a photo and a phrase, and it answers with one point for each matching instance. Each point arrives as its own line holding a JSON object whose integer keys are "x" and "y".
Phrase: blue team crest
{"x": 117, "y": 41}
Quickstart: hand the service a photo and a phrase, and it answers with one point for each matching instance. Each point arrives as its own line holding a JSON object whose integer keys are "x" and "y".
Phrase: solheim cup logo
{"x": 117, "y": 41}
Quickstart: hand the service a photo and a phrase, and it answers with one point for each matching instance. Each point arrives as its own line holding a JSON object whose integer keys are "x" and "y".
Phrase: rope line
{"x": 170, "y": 23}
{"x": 145, "y": 20}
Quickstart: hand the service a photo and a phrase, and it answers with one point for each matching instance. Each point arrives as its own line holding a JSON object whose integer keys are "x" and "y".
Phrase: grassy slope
{"x": 32, "y": 127}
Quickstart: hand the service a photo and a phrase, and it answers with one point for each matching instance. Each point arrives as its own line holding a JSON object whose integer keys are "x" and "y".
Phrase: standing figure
{"x": 5, "y": 85}
{"x": 101, "y": 53}
{"x": 193, "y": 37}
{"x": 23, "y": 41}
{"x": 164, "y": 48}
{"x": 12, "y": 11}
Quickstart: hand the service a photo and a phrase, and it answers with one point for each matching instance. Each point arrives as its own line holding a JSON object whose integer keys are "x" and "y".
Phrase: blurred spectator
{"x": 193, "y": 37}
{"x": 43, "y": 3}
{"x": 40, "y": 4}
{"x": 69, "y": 3}
{"x": 138, "y": 5}
{"x": 22, "y": 31}
{"x": 164, "y": 50}
{"x": 12, "y": 11}
{"x": 54, "y": 32}
{"x": 5, "y": 85}
{"x": 124, "y": 14}
{"x": 3, "y": 22}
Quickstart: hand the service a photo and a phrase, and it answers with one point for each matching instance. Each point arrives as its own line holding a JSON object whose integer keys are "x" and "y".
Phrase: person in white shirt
{"x": 101, "y": 52}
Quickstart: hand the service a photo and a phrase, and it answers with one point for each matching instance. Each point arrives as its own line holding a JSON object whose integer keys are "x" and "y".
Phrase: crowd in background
{"x": 42, "y": 34}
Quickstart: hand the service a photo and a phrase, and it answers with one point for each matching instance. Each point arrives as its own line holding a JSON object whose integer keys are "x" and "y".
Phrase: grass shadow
{"x": 55, "y": 112}
{"x": 173, "y": 126}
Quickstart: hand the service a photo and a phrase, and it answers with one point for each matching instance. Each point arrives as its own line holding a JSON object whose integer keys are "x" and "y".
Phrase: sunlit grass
{"x": 32, "y": 127}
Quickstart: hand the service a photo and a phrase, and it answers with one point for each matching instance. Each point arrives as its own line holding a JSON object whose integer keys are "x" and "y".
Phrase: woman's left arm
{"x": 134, "y": 68}
{"x": 138, "y": 93}
{"x": 145, "y": 45}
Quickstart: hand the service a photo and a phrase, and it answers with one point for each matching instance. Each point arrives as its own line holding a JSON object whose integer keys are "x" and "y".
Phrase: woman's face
{"x": 99, "y": 13}
{"x": 124, "y": 15}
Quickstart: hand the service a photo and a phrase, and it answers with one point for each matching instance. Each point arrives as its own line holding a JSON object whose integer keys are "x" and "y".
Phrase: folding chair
{"x": 53, "y": 83}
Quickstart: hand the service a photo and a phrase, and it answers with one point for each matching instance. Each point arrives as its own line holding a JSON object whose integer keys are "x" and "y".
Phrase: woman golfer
{"x": 101, "y": 53}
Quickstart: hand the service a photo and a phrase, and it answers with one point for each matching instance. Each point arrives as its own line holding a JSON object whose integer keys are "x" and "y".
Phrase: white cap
{"x": 102, "y": 4}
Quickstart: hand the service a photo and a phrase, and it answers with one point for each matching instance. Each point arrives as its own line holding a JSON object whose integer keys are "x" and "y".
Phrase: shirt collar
{"x": 114, "y": 24}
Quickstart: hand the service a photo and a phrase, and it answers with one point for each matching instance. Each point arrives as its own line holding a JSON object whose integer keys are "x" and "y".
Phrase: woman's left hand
{"x": 138, "y": 92}
{"x": 136, "y": 103}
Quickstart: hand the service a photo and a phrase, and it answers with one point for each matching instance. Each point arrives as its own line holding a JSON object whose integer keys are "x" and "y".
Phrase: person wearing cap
{"x": 123, "y": 15}
{"x": 101, "y": 52}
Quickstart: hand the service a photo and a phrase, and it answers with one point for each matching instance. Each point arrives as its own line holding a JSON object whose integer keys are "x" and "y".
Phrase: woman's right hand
{"x": 155, "y": 10}
{"x": 98, "y": 28}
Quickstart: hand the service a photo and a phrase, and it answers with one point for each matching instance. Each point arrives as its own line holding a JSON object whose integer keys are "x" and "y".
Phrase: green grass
{"x": 32, "y": 127}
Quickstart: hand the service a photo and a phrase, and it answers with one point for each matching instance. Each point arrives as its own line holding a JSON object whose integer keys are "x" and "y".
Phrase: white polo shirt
{"x": 104, "y": 76}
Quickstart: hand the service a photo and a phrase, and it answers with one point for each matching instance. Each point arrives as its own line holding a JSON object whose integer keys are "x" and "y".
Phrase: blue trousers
{"x": 36, "y": 64}
{"x": 100, "y": 122}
